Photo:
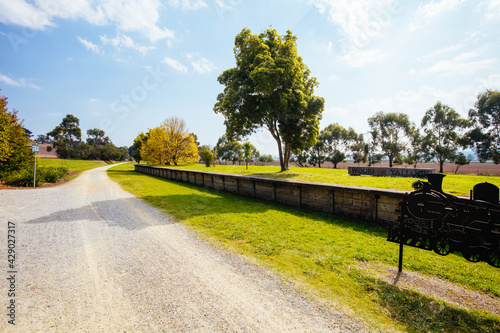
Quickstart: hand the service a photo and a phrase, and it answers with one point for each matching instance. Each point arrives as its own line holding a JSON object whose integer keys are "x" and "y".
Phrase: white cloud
{"x": 127, "y": 15}
{"x": 22, "y": 13}
{"x": 188, "y": 4}
{"x": 21, "y": 83}
{"x": 462, "y": 64}
{"x": 89, "y": 45}
{"x": 449, "y": 49}
{"x": 124, "y": 41}
{"x": 425, "y": 14}
{"x": 360, "y": 58}
{"x": 491, "y": 8}
{"x": 175, "y": 65}
{"x": 359, "y": 21}
{"x": 200, "y": 64}
{"x": 228, "y": 5}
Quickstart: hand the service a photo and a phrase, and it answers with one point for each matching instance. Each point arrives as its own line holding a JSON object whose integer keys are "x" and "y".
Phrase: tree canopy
{"x": 270, "y": 87}
{"x": 66, "y": 135}
{"x": 442, "y": 126}
{"x": 14, "y": 149}
{"x": 96, "y": 137}
{"x": 170, "y": 143}
{"x": 389, "y": 132}
{"x": 485, "y": 135}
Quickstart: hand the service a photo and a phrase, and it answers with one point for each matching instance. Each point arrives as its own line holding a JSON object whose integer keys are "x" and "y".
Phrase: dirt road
{"x": 90, "y": 257}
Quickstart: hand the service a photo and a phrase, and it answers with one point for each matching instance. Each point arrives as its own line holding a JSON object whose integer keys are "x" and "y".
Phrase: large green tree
{"x": 66, "y": 135}
{"x": 415, "y": 151}
{"x": 317, "y": 153}
{"x": 390, "y": 133}
{"x": 338, "y": 141}
{"x": 135, "y": 149}
{"x": 442, "y": 126}
{"x": 228, "y": 150}
{"x": 270, "y": 87}
{"x": 485, "y": 134}
{"x": 15, "y": 152}
{"x": 96, "y": 137}
{"x": 250, "y": 153}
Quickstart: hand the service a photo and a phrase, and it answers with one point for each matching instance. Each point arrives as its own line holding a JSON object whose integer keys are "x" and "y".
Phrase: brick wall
{"x": 355, "y": 202}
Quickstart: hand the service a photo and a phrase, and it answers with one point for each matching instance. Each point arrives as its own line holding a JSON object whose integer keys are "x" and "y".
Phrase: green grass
{"x": 324, "y": 255}
{"x": 453, "y": 184}
{"x": 73, "y": 165}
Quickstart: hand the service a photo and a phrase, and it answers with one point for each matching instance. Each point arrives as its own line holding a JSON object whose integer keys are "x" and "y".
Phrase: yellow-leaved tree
{"x": 170, "y": 143}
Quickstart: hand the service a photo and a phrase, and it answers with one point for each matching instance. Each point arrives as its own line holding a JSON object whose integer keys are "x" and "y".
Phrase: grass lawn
{"x": 73, "y": 165}
{"x": 453, "y": 184}
{"x": 328, "y": 256}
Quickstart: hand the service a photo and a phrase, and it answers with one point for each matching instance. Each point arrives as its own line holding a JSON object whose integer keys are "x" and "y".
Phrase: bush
{"x": 208, "y": 157}
{"x": 52, "y": 174}
{"x": 24, "y": 177}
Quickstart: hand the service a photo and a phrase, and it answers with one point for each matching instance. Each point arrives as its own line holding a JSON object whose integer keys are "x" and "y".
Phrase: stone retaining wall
{"x": 354, "y": 202}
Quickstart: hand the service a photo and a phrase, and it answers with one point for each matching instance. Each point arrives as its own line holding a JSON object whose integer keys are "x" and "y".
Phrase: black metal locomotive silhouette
{"x": 433, "y": 220}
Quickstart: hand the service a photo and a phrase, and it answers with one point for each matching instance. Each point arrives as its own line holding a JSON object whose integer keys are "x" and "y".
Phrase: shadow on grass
{"x": 277, "y": 175}
{"x": 422, "y": 314}
{"x": 211, "y": 202}
{"x": 205, "y": 201}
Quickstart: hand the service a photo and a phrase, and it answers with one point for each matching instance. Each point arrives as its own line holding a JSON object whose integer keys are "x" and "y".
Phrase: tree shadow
{"x": 115, "y": 213}
{"x": 419, "y": 313}
{"x": 207, "y": 201}
{"x": 277, "y": 175}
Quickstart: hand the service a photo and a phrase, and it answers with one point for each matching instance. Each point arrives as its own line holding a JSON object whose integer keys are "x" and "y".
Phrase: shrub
{"x": 52, "y": 174}
{"x": 208, "y": 157}
{"x": 24, "y": 177}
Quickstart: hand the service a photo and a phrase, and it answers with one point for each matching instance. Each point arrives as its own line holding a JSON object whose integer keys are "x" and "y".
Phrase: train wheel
{"x": 494, "y": 259}
{"x": 442, "y": 246}
{"x": 471, "y": 255}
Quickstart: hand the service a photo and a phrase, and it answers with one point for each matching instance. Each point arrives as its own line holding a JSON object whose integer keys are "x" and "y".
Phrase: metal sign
{"x": 35, "y": 149}
{"x": 433, "y": 220}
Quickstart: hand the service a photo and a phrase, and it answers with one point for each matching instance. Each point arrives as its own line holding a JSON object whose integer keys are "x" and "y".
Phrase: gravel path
{"x": 91, "y": 257}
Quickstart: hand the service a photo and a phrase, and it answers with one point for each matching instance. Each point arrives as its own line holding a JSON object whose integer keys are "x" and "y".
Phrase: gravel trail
{"x": 91, "y": 257}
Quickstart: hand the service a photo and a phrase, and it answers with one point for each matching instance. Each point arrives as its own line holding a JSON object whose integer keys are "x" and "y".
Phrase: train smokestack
{"x": 436, "y": 181}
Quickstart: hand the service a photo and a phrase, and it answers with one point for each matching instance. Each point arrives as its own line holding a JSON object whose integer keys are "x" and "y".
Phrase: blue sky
{"x": 125, "y": 66}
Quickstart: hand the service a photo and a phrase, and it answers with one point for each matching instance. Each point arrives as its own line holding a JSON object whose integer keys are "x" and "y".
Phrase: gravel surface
{"x": 91, "y": 257}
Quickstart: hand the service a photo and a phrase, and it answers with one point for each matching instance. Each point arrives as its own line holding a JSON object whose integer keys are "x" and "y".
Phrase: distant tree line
{"x": 441, "y": 134}
{"x": 66, "y": 138}
{"x": 439, "y": 137}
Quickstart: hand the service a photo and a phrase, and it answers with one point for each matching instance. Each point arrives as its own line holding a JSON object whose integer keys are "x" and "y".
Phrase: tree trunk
{"x": 286, "y": 157}
{"x": 280, "y": 152}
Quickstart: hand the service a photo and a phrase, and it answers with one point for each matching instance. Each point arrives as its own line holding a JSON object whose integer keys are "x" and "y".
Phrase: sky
{"x": 124, "y": 66}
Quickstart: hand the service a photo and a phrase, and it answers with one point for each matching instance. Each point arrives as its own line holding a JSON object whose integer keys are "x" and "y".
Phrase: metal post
{"x": 401, "y": 256}
{"x": 34, "y": 173}
{"x": 401, "y": 242}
